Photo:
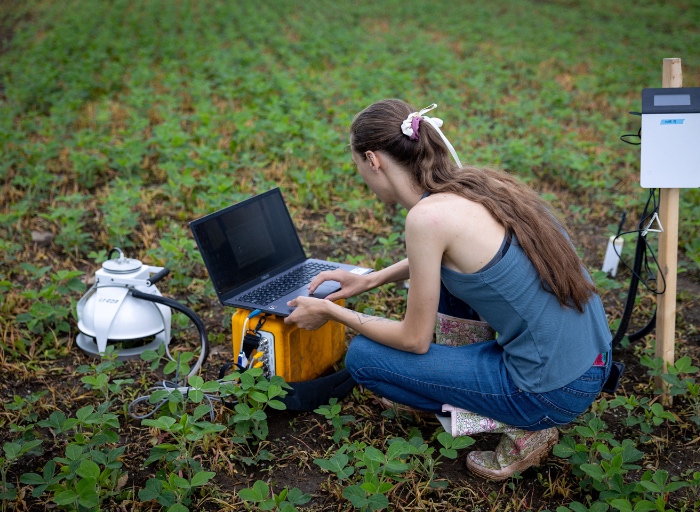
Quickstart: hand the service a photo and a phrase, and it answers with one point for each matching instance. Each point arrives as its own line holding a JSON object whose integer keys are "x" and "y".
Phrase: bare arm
{"x": 425, "y": 246}
{"x": 399, "y": 271}
{"x": 353, "y": 284}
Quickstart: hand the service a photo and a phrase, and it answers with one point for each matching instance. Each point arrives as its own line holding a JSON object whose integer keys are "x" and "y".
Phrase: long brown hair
{"x": 515, "y": 205}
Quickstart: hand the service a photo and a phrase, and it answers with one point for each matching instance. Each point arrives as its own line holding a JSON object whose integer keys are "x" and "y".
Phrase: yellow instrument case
{"x": 299, "y": 355}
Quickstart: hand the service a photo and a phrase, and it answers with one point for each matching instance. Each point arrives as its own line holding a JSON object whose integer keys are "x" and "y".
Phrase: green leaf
{"x": 594, "y": 471}
{"x": 181, "y": 482}
{"x": 684, "y": 365}
{"x": 674, "y": 486}
{"x": 11, "y": 450}
{"x": 186, "y": 357}
{"x": 31, "y": 479}
{"x": 297, "y": 497}
{"x": 578, "y": 507}
{"x": 88, "y": 498}
{"x": 369, "y": 487}
{"x": 644, "y": 506}
{"x": 334, "y": 464}
{"x": 385, "y": 487}
{"x": 49, "y": 470}
{"x": 449, "y": 453}
{"x": 258, "y": 397}
{"x": 211, "y": 387}
{"x": 277, "y": 405}
{"x": 196, "y": 381}
{"x": 84, "y": 412}
{"x": 152, "y": 490}
{"x": 445, "y": 439}
{"x": 10, "y": 494}
{"x": 178, "y": 507}
{"x": 195, "y": 395}
{"x": 630, "y": 453}
{"x": 356, "y": 495}
{"x": 88, "y": 469}
{"x": 585, "y": 432}
{"x": 378, "y": 502}
{"x": 176, "y": 397}
{"x": 345, "y": 473}
{"x": 597, "y": 506}
{"x": 74, "y": 451}
{"x": 651, "y": 486}
{"x": 243, "y": 409}
{"x": 200, "y": 411}
{"x": 257, "y": 493}
{"x": 398, "y": 448}
{"x": 149, "y": 355}
{"x": 201, "y": 478}
{"x": 65, "y": 497}
{"x": 396, "y": 466}
{"x": 258, "y": 415}
{"x": 372, "y": 453}
{"x": 274, "y": 391}
{"x": 162, "y": 423}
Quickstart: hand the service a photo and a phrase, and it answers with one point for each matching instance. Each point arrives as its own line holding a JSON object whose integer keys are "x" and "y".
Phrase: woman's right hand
{"x": 350, "y": 284}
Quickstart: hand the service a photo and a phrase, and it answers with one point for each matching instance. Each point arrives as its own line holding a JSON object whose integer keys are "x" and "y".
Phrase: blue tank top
{"x": 545, "y": 346}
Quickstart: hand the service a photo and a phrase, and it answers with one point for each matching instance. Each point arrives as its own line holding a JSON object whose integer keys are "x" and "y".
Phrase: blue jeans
{"x": 471, "y": 377}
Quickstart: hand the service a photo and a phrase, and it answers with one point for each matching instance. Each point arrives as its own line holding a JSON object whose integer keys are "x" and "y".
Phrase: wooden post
{"x": 668, "y": 252}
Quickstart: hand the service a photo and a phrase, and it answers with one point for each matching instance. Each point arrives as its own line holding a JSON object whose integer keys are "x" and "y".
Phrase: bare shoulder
{"x": 453, "y": 216}
{"x": 440, "y": 208}
{"x": 436, "y": 217}
{"x": 428, "y": 212}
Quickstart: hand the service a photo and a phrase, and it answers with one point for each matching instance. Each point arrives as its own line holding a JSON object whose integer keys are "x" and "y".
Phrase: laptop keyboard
{"x": 284, "y": 284}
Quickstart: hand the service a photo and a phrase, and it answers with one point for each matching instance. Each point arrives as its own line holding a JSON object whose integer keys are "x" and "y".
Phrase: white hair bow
{"x": 409, "y": 127}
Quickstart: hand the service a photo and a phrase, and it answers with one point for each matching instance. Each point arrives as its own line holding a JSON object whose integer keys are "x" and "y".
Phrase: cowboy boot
{"x": 517, "y": 451}
{"x": 467, "y": 423}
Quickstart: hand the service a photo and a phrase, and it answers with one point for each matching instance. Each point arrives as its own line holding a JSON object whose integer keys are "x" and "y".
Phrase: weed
{"x": 260, "y": 494}
{"x": 90, "y": 472}
{"x": 331, "y": 412}
{"x": 49, "y": 315}
{"x": 252, "y": 393}
{"x": 12, "y": 452}
{"x": 181, "y": 472}
{"x": 102, "y": 374}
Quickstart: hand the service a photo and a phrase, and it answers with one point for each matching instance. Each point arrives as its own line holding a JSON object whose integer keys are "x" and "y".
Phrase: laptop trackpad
{"x": 326, "y": 289}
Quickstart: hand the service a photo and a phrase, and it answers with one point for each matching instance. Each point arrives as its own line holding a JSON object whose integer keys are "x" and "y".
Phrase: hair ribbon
{"x": 409, "y": 127}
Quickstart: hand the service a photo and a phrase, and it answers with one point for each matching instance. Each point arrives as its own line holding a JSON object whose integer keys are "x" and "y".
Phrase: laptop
{"x": 255, "y": 259}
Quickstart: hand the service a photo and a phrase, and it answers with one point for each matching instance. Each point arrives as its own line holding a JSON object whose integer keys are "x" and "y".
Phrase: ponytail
{"x": 512, "y": 203}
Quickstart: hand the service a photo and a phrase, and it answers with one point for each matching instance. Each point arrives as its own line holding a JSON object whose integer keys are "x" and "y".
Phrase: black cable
{"x": 632, "y": 295}
{"x": 171, "y": 386}
{"x": 640, "y": 259}
{"x": 624, "y": 138}
{"x": 643, "y": 226}
{"x": 183, "y": 309}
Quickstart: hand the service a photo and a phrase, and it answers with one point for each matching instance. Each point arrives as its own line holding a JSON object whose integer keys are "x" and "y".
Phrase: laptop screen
{"x": 247, "y": 241}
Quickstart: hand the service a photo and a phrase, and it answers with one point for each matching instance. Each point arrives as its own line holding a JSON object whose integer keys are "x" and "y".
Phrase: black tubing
{"x": 183, "y": 309}
{"x": 631, "y": 296}
{"x": 644, "y": 330}
{"x": 157, "y": 277}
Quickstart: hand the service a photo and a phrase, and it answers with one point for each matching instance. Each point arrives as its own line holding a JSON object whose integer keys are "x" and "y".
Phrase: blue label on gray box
{"x": 672, "y": 121}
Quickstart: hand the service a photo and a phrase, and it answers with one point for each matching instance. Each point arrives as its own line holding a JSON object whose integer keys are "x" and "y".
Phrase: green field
{"x": 121, "y": 121}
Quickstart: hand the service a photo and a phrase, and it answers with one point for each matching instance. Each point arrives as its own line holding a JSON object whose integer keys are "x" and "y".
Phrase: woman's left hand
{"x": 310, "y": 312}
